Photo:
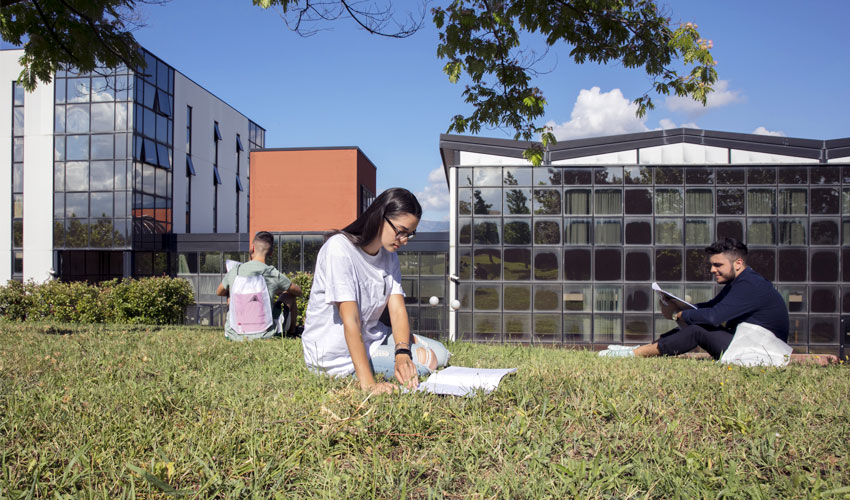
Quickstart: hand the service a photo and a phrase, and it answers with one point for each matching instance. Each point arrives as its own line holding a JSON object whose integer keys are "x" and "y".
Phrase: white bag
{"x": 250, "y": 305}
{"x": 755, "y": 345}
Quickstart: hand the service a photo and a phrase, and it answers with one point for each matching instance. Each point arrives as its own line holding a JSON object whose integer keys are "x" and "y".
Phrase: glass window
{"x": 410, "y": 286}
{"x": 668, "y": 231}
{"x": 546, "y": 264}
{"x": 731, "y": 175}
{"x": 517, "y": 297}
{"x": 763, "y": 261}
{"x": 730, "y": 201}
{"x": 697, "y": 175}
{"x": 577, "y": 298}
{"x": 608, "y": 201}
{"x": 638, "y": 265}
{"x": 577, "y": 176}
{"x": 18, "y": 178}
{"x": 547, "y": 201}
{"x": 577, "y": 264}
{"x": 793, "y": 175}
{"x": 487, "y": 231}
{"x": 77, "y": 147}
{"x": 517, "y": 327}
{"x": 312, "y": 244}
{"x": 102, "y": 117}
{"x": 517, "y": 201}
{"x": 487, "y": 264}
{"x": 730, "y": 228}
{"x": 17, "y": 233}
{"x": 608, "y": 175}
{"x": 824, "y": 265}
{"x": 824, "y": 232}
{"x": 487, "y": 201}
{"x": 577, "y": 328}
{"x": 432, "y": 288}
{"x": 433, "y": 264}
{"x": 518, "y": 232}
{"x": 18, "y": 206}
{"x": 77, "y": 119}
{"x": 101, "y": 147}
{"x": 793, "y": 201}
{"x": 637, "y": 328}
{"x": 487, "y": 176}
{"x": 101, "y": 204}
{"x": 547, "y": 232}
{"x": 120, "y": 207}
{"x": 607, "y": 328}
{"x": 150, "y": 123}
{"x": 761, "y": 201}
{"x": 290, "y": 253}
{"x": 609, "y": 264}
{"x": 638, "y": 297}
{"x": 638, "y": 175}
{"x": 464, "y": 177}
{"x": 79, "y": 90}
{"x": 792, "y": 264}
{"x": 547, "y": 298}
{"x": 464, "y": 231}
{"x": 546, "y": 176}
{"x": 210, "y": 263}
{"x": 668, "y": 264}
{"x": 795, "y": 297}
{"x": 517, "y": 264}
{"x": 761, "y": 231}
{"x": 761, "y": 175}
{"x": 608, "y": 231}
{"x": 164, "y": 156}
{"x": 487, "y": 297}
{"x": 607, "y": 298}
{"x": 486, "y": 327}
{"x": 825, "y": 201}
{"x": 823, "y": 299}
{"x": 58, "y": 148}
{"x": 696, "y": 265}
{"x": 577, "y": 201}
{"x": 76, "y": 233}
{"x": 639, "y": 201}
{"x": 699, "y": 201}
{"x": 668, "y": 175}
{"x": 668, "y": 201}
{"x": 77, "y": 176}
{"x": 464, "y": 201}
{"x": 162, "y": 131}
{"x": 823, "y": 330}
{"x": 577, "y": 231}
{"x": 464, "y": 263}
{"x": 409, "y": 262}
{"x": 517, "y": 176}
{"x": 58, "y": 176}
{"x": 638, "y": 231}
{"x": 792, "y": 231}
{"x": 826, "y": 175}
{"x": 59, "y": 119}
{"x": 699, "y": 231}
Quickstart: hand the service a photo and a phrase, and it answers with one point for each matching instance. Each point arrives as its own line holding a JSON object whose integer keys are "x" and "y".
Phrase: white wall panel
{"x": 467, "y": 158}
{"x": 846, "y": 159}
{"x": 618, "y": 158}
{"x": 683, "y": 153}
{"x": 9, "y": 71}
{"x": 740, "y": 156}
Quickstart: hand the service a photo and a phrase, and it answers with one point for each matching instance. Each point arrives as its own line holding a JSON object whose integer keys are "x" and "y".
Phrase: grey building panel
{"x": 211, "y": 242}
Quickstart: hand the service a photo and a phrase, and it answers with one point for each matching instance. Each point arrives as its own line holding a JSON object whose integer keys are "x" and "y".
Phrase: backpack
{"x": 250, "y": 305}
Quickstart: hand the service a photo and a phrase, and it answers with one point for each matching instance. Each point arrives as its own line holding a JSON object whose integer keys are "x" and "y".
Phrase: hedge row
{"x": 159, "y": 300}
{"x": 305, "y": 281}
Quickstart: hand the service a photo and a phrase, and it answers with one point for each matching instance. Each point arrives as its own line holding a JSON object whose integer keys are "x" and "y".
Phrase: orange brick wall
{"x": 307, "y": 190}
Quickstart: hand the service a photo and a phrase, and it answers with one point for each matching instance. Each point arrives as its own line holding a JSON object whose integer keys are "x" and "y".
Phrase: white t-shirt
{"x": 344, "y": 273}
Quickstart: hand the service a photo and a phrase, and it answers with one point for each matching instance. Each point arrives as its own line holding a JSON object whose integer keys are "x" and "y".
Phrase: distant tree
{"x": 480, "y": 206}
{"x": 515, "y": 199}
{"x": 485, "y": 43}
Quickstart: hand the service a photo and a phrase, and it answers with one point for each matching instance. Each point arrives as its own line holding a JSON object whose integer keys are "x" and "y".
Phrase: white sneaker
{"x": 616, "y": 353}
{"x": 618, "y": 347}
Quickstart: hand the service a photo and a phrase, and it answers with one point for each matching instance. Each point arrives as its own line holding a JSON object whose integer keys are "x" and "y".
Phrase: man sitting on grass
{"x": 253, "y": 313}
{"x": 747, "y": 297}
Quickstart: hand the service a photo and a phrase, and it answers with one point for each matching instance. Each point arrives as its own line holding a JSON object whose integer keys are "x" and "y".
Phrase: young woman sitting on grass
{"x": 357, "y": 277}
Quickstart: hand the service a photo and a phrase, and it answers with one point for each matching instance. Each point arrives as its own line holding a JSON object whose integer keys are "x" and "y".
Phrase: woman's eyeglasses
{"x": 400, "y": 235}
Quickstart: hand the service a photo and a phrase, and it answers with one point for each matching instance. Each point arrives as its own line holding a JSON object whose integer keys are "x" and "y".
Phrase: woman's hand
{"x": 405, "y": 371}
{"x": 380, "y": 388}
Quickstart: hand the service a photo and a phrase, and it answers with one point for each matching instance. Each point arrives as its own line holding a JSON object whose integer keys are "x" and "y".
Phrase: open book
{"x": 667, "y": 297}
{"x": 460, "y": 381}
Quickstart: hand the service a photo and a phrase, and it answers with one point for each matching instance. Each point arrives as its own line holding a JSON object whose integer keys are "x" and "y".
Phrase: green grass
{"x": 120, "y": 412}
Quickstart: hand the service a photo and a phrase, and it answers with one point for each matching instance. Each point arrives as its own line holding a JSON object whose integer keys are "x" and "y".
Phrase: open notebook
{"x": 461, "y": 381}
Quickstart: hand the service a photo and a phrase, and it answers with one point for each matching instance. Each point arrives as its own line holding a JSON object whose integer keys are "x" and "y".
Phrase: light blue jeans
{"x": 383, "y": 359}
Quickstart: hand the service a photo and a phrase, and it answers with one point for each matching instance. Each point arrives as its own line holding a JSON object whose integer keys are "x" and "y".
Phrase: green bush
{"x": 14, "y": 301}
{"x": 159, "y": 300}
{"x": 305, "y": 281}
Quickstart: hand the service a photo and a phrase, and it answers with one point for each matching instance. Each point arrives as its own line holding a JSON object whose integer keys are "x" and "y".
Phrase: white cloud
{"x": 764, "y": 131}
{"x": 721, "y": 96}
{"x": 596, "y": 113}
{"x": 666, "y": 123}
{"x": 434, "y": 197}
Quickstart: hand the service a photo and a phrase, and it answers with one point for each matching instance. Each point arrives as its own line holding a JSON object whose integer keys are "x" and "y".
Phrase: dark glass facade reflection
{"x": 567, "y": 255}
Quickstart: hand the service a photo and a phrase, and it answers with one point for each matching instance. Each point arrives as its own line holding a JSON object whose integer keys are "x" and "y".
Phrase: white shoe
{"x": 616, "y": 353}
{"x": 618, "y": 347}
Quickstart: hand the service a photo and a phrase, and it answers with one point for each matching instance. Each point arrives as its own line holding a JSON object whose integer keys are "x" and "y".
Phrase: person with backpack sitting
{"x": 251, "y": 287}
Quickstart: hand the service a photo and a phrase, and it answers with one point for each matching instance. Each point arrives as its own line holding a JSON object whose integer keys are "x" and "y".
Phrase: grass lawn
{"x": 115, "y": 412}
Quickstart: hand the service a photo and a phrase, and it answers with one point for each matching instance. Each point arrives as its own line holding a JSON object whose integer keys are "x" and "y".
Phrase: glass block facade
{"x": 17, "y": 236}
{"x": 567, "y": 255}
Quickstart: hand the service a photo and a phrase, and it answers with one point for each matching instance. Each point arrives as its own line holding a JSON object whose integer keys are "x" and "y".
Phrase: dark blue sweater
{"x": 748, "y": 298}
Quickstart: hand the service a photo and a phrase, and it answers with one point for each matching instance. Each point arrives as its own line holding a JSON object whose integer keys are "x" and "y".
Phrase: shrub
{"x": 14, "y": 302}
{"x": 159, "y": 300}
{"x": 305, "y": 281}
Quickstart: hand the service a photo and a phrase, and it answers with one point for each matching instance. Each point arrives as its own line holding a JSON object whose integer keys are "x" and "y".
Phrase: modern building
{"x": 566, "y": 253}
{"x": 107, "y": 173}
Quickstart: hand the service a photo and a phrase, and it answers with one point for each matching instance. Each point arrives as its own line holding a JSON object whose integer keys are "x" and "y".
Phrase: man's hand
{"x": 668, "y": 307}
{"x": 405, "y": 371}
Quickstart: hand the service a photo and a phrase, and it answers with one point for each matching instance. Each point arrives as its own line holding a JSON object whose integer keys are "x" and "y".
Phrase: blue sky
{"x": 784, "y": 68}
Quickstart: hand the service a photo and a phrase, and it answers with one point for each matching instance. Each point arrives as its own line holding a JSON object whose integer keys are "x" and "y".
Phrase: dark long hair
{"x": 391, "y": 203}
